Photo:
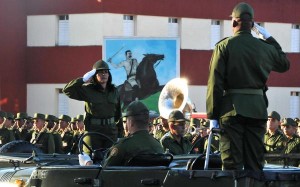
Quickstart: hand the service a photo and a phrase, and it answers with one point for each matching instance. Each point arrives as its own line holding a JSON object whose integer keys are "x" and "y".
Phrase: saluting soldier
{"x": 236, "y": 89}
{"x": 6, "y": 135}
{"x": 65, "y": 133}
{"x": 52, "y": 125}
{"x": 102, "y": 104}
{"x": 174, "y": 141}
{"x": 138, "y": 142}
{"x": 41, "y": 137}
{"x": 293, "y": 142}
{"x": 274, "y": 138}
{"x": 20, "y": 122}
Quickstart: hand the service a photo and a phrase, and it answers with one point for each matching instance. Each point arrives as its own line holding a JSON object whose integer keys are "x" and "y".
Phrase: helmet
{"x": 100, "y": 64}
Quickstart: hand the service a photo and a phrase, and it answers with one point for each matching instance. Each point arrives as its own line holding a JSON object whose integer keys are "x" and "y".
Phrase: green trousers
{"x": 241, "y": 144}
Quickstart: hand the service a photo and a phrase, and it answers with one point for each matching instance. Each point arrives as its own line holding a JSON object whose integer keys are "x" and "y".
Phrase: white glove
{"x": 213, "y": 124}
{"x": 261, "y": 32}
{"x": 88, "y": 75}
{"x": 84, "y": 159}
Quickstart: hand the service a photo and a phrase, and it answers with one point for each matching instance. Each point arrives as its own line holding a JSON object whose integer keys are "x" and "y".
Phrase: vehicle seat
{"x": 198, "y": 163}
{"x": 151, "y": 160}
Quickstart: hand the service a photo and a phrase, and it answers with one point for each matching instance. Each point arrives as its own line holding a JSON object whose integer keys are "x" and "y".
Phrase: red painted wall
{"x": 268, "y": 11}
{"x": 12, "y": 56}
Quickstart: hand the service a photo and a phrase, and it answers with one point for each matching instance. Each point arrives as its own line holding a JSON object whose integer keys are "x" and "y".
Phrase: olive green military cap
{"x": 274, "y": 115}
{"x": 39, "y": 116}
{"x": 10, "y": 115}
{"x": 288, "y": 121}
{"x": 65, "y": 118}
{"x": 136, "y": 108}
{"x": 195, "y": 122}
{"x": 176, "y": 116}
{"x": 242, "y": 8}
{"x": 153, "y": 114}
{"x": 51, "y": 118}
{"x": 79, "y": 117}
{"x": 205, "y": 125}
{"x": 100, "y": 64}
{"x": 73, "y": 120}
{"x": 3, "y": 114}
{"x": 21, "y": 115}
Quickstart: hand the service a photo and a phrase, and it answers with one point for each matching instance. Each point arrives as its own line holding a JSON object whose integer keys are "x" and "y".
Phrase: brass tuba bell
{"x": 174, "y": 96}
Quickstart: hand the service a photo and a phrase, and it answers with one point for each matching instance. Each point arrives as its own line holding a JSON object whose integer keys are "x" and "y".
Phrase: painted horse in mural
{"x": 146, "y": 78}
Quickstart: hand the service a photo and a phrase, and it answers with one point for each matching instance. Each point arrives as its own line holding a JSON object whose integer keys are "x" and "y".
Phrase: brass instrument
{"x": 174, "y": 96}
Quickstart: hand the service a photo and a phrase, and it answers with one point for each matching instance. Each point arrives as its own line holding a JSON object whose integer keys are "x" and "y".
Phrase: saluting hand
{"x": 261, "y": 32}
{"x": 87, "y": 77}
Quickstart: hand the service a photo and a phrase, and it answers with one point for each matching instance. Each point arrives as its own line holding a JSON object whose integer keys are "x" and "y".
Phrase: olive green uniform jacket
{"x": 293, "y": 146}
{"x": 44, "y": 141}
{"x": 99, "y": 104}
{"x": 169, "y": 143}
{"x": 242, "y": 62}
{"x": 274, "y": 143}
{"x": 140, "y": 142}
{"x": 6, "y": 136}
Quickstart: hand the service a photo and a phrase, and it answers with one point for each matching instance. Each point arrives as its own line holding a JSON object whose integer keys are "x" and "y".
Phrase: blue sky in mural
{"x": 166, "y": 70}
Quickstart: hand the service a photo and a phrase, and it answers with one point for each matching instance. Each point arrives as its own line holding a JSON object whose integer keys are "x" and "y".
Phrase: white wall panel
{"x": 282, "y": 33}
{"x": 195, "y": 33}
{"x": 113, "y": 25}
{"x": 42, "y": 30}
{"x": 152, "y": 26}
{"x": 43, "y": 98}
{"x": 86, "y": 29}
{"x": 227, "y": 28}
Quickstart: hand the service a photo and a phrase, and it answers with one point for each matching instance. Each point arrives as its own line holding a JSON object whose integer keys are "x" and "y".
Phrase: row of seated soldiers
{"x": 50, "y": 133}
{"x": 281, "y": 137}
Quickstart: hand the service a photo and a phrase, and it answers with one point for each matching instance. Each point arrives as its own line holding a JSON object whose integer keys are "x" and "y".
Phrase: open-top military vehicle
{"x": 44, "y": 170}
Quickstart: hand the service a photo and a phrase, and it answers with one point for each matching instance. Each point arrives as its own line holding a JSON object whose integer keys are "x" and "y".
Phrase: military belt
{"x": 244, "y": 91}
{"x": 102, "y": 121}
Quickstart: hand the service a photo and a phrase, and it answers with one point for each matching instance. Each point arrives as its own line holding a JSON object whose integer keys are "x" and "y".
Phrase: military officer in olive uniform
{"x": 293, "y": 143}
{"x": 139, "y": 140}
{"x": 102, "y": 104}
{"x": 239, "y": 69}
{"x": 174, "y": 141}
{"x": 274, "y": 138}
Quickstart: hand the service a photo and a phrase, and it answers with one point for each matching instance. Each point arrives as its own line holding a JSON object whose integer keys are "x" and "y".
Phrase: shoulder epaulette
{"x": 221, "y": 40}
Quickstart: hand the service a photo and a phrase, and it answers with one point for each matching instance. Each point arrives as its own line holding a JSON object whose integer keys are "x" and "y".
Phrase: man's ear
{"x": 235, "y": 23}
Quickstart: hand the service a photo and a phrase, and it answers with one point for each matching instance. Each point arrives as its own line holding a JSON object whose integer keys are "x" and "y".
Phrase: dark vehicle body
{"x": 63, "y": 170}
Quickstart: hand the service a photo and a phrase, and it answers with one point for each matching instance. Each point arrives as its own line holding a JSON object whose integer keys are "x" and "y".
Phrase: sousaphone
{"x": 174, "y": 96}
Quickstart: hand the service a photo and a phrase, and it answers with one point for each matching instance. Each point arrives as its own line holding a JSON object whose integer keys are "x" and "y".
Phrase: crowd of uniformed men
{"x": 179, "y": 136}
{"x": 50, "y": 133}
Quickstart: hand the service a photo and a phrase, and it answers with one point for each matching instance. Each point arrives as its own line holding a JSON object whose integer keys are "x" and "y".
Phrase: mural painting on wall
{"x": 140, "y": 67}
